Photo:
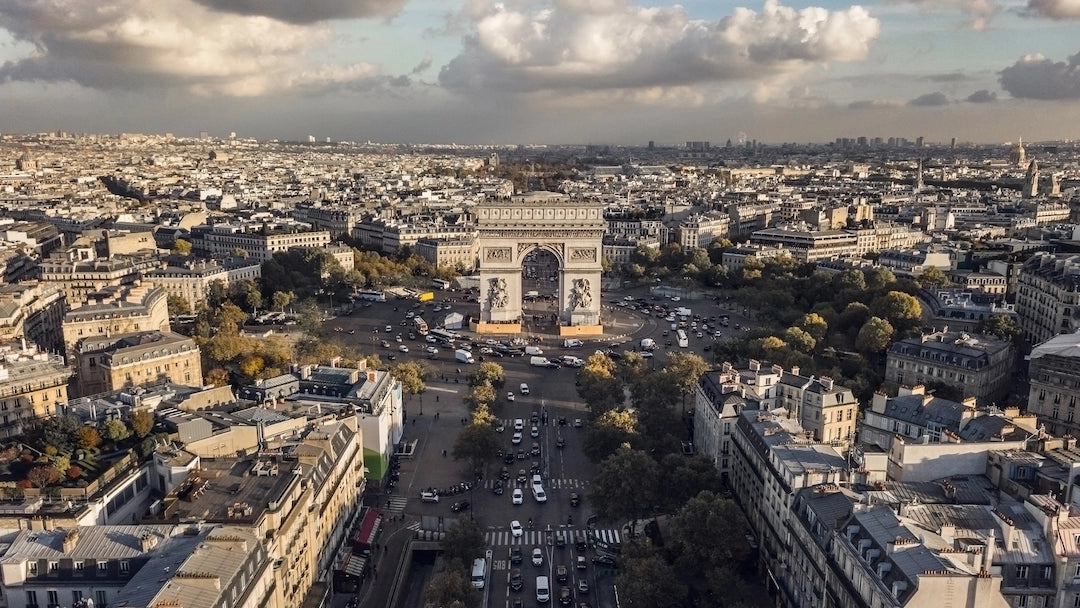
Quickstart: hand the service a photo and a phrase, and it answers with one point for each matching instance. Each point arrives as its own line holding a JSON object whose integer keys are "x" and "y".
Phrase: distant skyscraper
{"x": 310, "y": 139}
{"x": 652, "y": 145}
{"x": 204, "y": 135}
{"x": 952, "y": 144}
{"x": 919, "y": 142}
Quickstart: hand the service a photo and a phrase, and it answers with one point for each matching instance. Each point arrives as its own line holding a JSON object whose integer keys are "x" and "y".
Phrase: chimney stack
{"x": 71, "y": 538}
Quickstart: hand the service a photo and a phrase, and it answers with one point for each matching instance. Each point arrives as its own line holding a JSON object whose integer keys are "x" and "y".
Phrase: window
{"x": 125, "y": 567}
{"x": 1047, "y": 572}
{"x": 79, "y": 566}
{"x": 33, "y": 568}
{"x": 54, "y": 567}
{"x": 103, "y": 567}
{"x": 31, "y": 598}
{"x": 76, "y": 596}
{"x": 1022, "y": 601}
{"x": 101, "y": 597}
{"x": 54, "y": 597}
{"x": 1021, "y": 572}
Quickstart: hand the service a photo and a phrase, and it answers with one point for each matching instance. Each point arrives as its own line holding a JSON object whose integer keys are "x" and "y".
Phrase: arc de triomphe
{"x": 512, "y": 227}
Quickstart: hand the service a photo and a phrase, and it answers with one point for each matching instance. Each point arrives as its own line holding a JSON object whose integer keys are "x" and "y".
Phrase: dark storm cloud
{"x": 1036, "y": 77}
{"x": 307, "y": 11}
{"x": 982, "y": 96}
{"x": 937, "y": 98}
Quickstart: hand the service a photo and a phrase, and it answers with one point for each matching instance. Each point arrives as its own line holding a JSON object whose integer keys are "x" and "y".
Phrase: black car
{"x": 575, "y": 499}
{"x": 497, "y": 489}
{"x": 581, "y": 546}
{"x": 459, "y": 506}
{"x": 566, "y": 597}
{"x": 515, "y": 555}
{"x": 562, "y": 420}
{"x": 522, "y": 477}
{"x": 508, "y": 458}
{"x": 560, "y": 442}
{"x": 605, "y": 561}
{"x": 504, "y": 474}
{"x": 560, "y": 573}
{"x": 516, "y": 580}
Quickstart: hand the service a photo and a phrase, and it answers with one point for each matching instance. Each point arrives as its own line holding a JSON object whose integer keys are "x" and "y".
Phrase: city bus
{"x": 683, "y": 342}
{"x": 441, "y": 283}
{"x": 420, "y": 325}
{"x": 443, "y": 335}
{"x": 371, "y": 295}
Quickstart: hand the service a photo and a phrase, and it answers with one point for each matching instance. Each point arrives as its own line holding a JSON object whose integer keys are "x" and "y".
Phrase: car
{"x": 391, "y": 357}
{"x": 431, "y": 339}
{"x": 515, "y": 529}
{"x": 560, "y": 442}
{"x": 535, "y": 451}
{"x": 582, "y": 585}
{"x": 497, "y": 488}
{"x": 510, "y": 396}
{"x": 384, "y": 344}
{"x": 519, "y": 424}
{"x": 403, "y": 348}
{"x": 524, "y": 388}
{"x": 537, "y": 557}
{"x": 460, "y": 506}
{"x": 499, "y": 428}
{"x": 519, "y": 497}
{"x": 517, "y": 603}
{"x": 605, "y": 561}
{"x": 389, "y": 328}
{"x": 522, "y": 477}
{"x": 412, "y": 336}
{"x": 575, "y": 499}
{"x": 581, "y": 563}
{"x": 676, "y": 299}
{"x": 508, "y": 458}
{"x": 516, "y": 580}
{"x": 516, "y": 439}
{"x": 700, "y": 335}
{"x": 431, "y": 350}
{"x": 566, "y": 597}
{"x": 578, "y": 423}
{"x": 515, "y": 555}
{"x": 504, "y": 474}
{"x": 521, "y": 454}
{"x": 562, "y": 420}
{"x": 628, "y": 298}
{"x": 646, "y": 354}
{"x": 561, "y": 573}
{"x": 581, "y": 547}
{"x": 534, "y": 432}
{"x": 560, "y": 539}
{"x": 428, "y": 496}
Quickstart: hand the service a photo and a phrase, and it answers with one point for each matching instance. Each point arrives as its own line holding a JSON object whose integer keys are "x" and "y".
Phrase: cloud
{"x": 948, "y": 77}
{"x": 872, "y": 104}
{"x": 1036, "y": 77}
{"x": 178, "y": 44}
{"x": 979, "y": 12}
{"x": 598, "y": 45}
{"x": 982, "y": 96}
{"x": 937, "y": 98}
{"x": 306, "y": 11}
{"x": 1054, "y": 9}
{"x": 424, "y": 64}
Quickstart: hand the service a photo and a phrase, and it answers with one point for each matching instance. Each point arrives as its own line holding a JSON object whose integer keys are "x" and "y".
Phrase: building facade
{"x": 111, "y": 363}
{"x": 1048, "y": 296}
{"x": 113, "y": 312}
{"x": 980, "y": 366}
{"x": 33, "y": 386}
{"x": 1054, "y": 377}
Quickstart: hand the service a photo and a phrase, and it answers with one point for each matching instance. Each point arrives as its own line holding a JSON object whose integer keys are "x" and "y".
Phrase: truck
{"x": 533, "y": 350}
{"x": 572, "y": 343}
{"x": 570, "y": 361}
{"x": 463, "y": 356}
{"x": 542, "y": 362}
{"x": 648, "y": 344}
{"x": 682, "y": 311}
{"x": 420, "y": 325}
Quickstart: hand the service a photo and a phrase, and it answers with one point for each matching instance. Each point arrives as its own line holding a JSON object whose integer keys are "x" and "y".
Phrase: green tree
{"x": 142, "y": 422}
{"x": 59, "y": 432}
{"x": 707, "y": 534}
{"x": 650, "y": 581}
{"x": 478, "y": 444}
{"x": 599, "y": 384}
{"x": 608, "y": 432}
{"x": 752, "y": 268}
{"x": 281, "y": 299}
{"x": 853, "y": 280}
{"x": 481, "y": 395}
{"x": 42, "y": 476}
{"x": 451, "y": 588}
{"x": 115, "y": 430}
{"x": 799, "y": 339}
{"x": 815, "y": 325}
{"x": 853, "y": 316}
{"x": 181, "y": 247}
{"x": 686, "y": 477}
{"x": 1001, "y": 326}
{"x": 878, "y": 277}
{"x": 933, "y": 278}
{"x": 464, "y": 541}
{"x": 625, "y": 486}
{"x": 875, "y": 335}
{"x": 901, "y": 310}
{"x": 178, "y": 305}
{"x": 685, "y": 370}
{"x": 489, "y": 373}
{"x": 411, "y": 376}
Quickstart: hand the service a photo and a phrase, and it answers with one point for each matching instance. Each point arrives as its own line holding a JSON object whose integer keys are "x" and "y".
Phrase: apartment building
{"x": 447, "y": 252}
{"x": 981, "y": 282}
{"x": 35, "y": 311}
{"x": 272, "y": 494}
{"x": 1054, "y": 378}
{"x": 338, "y": 220}
{"x": 189, "y": 280}
{"x": 109, "y": 363}
{"x": 701, "y": 230}
{"x": 914, "y": 261}
{"x": 807, "y": 245}
{"x": 823, "y": 408}
{"x": 978, "y": 365}
{"x": 619, "y": 250}
{"x": 260, "y": 244}
{"x": 886, "y": 236}
{"x": 116, "y": 311}
{"x": 1048, "y": 296}
{"x": 79, "y": 272}
{"x": 33, "y": 386}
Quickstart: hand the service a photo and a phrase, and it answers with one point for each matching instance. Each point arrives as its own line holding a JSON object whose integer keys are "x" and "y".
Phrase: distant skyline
{"x": 544, "y": 71}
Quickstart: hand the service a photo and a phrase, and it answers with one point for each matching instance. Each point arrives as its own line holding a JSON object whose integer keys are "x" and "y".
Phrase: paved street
{"x": 434, "y": 418}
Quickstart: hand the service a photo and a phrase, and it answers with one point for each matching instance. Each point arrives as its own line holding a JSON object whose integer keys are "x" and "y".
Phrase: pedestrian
{"x": 436, "y": 401}
{"x": 436, "y": 413}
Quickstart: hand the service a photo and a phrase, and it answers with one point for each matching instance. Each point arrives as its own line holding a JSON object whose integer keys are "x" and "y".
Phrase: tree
{"x": 874, "y": 336}
{"x": 854, "y": 315}
{"x": 87, "y": 437}
{"x": 177, "y": 305}
{"x": 685, "y": 370}
{"x": 815, "y": 325}
{"x": 599, "y": 384}
{"x": 42, "y": 476}
{"x": 685, "y": 477}
{"x": 217, "y": 377}
{"x": 451, "y": 588}
{"x": 851, "y": 279}
{"x": 142, "y": 422}
{"x": 411, "y": 376}
{"x": 707, "y": 534}
{"x": 116, "y": 430}
{"x": 799, "y": 339}
{"x": 878, "y": 277}
{"x": 898, "y": 308}
{"x": 464, "y": 541}
{"x": 281, "y": 299}
{"x": 1002, "y": 326}
{"x": 481, "y": 395}
{"x": 59, "y": 432}
{"x": 625, "y": 486}
{"x": 482, "y": 415}
{"x": 478, "y": 444}
{"x": 181, "y": 247}
{"x": 751, "y": 268}
{"x": 489, "y": 373}
{"x": 650, "y": 581}
{"x": 610, "y": 431}
{"x": 933, "y": 278}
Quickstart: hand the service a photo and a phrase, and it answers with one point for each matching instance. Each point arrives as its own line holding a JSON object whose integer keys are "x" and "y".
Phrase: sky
{"x": 545, "y": 71}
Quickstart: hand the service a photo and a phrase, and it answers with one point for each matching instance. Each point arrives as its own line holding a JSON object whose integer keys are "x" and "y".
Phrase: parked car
{"x": 460, "y": 506}
{"x": 428, "y": 496}
{"x": 515, "y": 555}
{"x": 537, "y": 557}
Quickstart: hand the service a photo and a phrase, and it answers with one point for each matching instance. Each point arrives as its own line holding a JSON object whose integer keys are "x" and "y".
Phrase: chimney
{"x": 795, "y": 370}
{"x": 755, "y": 365}
{"x": 878, "y": 403}
{"x": 147, "y": 541}
{"x": 826, "y": 382}
{"x": 71, "y": 538}
{"x": 969, "y": 401}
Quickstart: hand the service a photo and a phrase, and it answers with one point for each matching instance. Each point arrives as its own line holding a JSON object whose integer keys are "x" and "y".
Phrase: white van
{"x": 539, "y": 494}
{"x": 543, "y": 592}
{"x": 524, "y": 389}
{"x": 479, "y": 572}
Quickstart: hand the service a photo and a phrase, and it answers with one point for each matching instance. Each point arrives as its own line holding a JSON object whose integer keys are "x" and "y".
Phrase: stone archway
{"x": 570, "y": 230}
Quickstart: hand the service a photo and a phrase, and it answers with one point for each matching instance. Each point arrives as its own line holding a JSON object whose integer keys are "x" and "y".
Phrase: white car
{"x": 675, "y": 298}
{"x": 431, "y": 350}
{"x": 537, "y": 557}
{"x": 516, "y": 439}
{"x": 519, "y": 424}
{"x": 515, "y": 528}
{"x": 519, "y": 496}
{"x": 534, "y": 432}
{"x": 431, "y": 339}
{"x": 716, "y": 334}
{"x": 510, "y": 396}
{"x": 403, "y": 348}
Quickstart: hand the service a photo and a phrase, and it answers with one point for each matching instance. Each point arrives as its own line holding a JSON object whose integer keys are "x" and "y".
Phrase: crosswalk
{"x": 397, "y": 504}
{"x": 536, "y": 538}
{"x": 549, "y": 484}
{"x": 551, "y": 421}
